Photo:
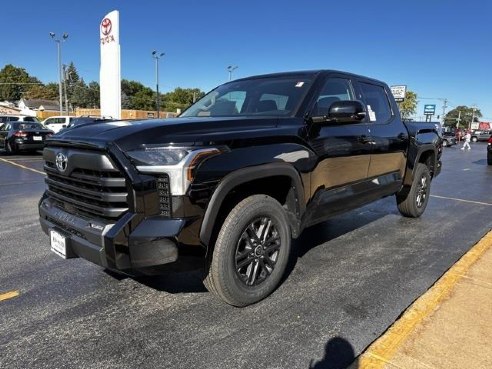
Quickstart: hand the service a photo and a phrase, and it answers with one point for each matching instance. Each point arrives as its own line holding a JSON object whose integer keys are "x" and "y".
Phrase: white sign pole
{"x": 110, "y": 71}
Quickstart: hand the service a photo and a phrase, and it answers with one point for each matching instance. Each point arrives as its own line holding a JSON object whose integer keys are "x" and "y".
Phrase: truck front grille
{"x": 91, "y": 185}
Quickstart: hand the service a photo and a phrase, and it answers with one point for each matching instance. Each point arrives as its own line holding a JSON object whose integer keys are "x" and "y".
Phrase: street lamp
{"x": 230, "y": 69}
{"x": 58, "y": 43}
{"x": 156, "y": 55}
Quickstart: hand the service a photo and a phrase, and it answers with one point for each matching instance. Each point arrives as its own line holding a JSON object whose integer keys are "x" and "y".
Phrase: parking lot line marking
{"x": 381, "y": 352}
{"x": 462, "y": 200}
{"x": 22, "y": 166}
{"x": 9, "y": 295}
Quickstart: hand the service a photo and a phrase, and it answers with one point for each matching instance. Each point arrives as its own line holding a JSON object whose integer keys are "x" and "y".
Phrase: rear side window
{"x": 377, "y": 103}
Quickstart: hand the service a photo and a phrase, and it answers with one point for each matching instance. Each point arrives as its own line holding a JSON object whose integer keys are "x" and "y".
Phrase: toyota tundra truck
{"x": 238, "y": 175}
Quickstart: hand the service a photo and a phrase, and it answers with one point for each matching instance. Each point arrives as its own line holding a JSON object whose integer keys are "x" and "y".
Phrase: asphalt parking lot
{"x": 351, "y": 277}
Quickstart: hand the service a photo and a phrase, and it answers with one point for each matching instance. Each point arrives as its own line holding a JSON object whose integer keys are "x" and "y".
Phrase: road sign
{"x": 429, "y": 109}
{"x": 399, "y": 92}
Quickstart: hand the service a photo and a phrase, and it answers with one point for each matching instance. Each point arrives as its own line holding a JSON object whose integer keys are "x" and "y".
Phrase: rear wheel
{"x": 412, "y": 203}
{"x": 474, "y": 139}
{"x": 251, "y": 252}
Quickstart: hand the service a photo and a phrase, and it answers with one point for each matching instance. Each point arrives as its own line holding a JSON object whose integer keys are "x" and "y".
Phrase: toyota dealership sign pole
{"x": 110, "y": 71}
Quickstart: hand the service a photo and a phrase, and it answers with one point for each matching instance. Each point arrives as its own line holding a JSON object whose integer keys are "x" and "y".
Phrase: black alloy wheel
{"x": 251, "y": 252}
{"x": 257, "y": 251}
{"x": 413, "y": 201}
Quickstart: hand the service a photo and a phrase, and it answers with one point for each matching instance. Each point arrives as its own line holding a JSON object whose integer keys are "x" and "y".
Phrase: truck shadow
{"x": 186, "y": 275}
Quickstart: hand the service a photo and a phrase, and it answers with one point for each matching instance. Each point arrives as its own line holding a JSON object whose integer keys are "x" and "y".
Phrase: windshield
{"x": 270, "y": 96}
{"x": 27, "y": 125}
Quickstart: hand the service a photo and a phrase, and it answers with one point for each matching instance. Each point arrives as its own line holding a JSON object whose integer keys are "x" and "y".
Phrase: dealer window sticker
{"x": 372, "y": 113}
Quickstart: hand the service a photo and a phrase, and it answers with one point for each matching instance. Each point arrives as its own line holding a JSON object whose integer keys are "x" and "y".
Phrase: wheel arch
{"x": 278, "y": 180}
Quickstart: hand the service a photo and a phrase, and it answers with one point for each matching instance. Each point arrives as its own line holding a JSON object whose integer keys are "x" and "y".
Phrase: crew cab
{"x": 240, "y": 173}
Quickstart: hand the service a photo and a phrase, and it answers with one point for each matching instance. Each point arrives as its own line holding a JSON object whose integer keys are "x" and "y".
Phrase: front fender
{"x": 242, "y": 176}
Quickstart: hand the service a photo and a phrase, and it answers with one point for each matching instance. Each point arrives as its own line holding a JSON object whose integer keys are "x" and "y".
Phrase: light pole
{"x": 230, "y": 69}
{"x": 156, "y": 55}
{"x": 58, "y": 43}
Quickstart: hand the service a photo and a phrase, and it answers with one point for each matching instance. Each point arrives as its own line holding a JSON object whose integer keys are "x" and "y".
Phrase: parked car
{"x": 480, "y": 135}
{"x": 23, "y": 136}
{"x": 448, "y": 139}
{"x": 57, "y": 123}
{"x": 17, "y": 118}
{"x": 82, "y": 120}
{"x": 489, "y": 151}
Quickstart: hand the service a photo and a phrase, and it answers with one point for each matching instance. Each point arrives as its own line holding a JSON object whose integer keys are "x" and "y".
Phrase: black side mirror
{"x": 350, "y": 111}
{"x": 344, "y": 112}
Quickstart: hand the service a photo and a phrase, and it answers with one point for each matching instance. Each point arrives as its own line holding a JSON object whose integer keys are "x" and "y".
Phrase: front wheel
{"x": 412, "y": 203}
{"x": 474, "y": 139}
{"x": 251, "y": 252}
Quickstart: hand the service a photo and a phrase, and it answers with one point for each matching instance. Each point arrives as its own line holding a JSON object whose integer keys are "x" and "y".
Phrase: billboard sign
{"x": 399, "y": 92}
{"x": 429, "y": 109}
{"x": 110, "y": 70}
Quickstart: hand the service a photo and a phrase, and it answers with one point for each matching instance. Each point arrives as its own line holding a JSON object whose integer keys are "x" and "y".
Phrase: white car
{"x": 58, "y": 122}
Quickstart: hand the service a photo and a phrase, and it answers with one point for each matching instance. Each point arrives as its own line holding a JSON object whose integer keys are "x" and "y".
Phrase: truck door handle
{"x": 365, "y": 140}
{"x": 402, "y": 136}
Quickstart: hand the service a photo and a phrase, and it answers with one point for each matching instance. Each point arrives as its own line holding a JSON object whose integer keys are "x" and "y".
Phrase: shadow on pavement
{"x": 339, "y": 354}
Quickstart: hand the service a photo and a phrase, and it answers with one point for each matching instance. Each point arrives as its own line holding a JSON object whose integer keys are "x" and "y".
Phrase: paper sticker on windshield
{"x": 372, "y": 113}
{"x": 299, "y": 84}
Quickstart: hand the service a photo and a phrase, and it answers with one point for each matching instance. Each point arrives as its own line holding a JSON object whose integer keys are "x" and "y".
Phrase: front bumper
{"x": 132, "y": 242}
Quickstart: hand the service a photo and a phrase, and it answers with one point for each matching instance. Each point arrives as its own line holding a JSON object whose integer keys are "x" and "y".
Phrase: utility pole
{"x": 156, "y": 55}
{"x": 58, "y": 43}
{"x": 65, "y": 71}
{"x": 473, "y": 116}
{"x": 230, "y": 69}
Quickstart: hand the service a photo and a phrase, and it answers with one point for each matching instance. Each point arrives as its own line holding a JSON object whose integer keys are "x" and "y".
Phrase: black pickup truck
{"x": 239, "y": 174}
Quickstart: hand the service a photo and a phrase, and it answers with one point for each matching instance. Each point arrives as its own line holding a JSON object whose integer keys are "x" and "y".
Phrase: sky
{"x": 440, "y": 49}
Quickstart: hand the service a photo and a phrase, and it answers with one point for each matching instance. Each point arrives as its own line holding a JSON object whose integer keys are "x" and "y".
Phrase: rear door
{"x": 389, "y": 137}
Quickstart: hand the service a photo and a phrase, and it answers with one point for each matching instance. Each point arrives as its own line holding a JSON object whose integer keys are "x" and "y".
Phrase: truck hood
{"x": 129, "y": 135}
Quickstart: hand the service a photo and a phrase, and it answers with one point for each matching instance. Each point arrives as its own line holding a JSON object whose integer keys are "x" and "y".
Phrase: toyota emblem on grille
{"x": 61, "y": 162}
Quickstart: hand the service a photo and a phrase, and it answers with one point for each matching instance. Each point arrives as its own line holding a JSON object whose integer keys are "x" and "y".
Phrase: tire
{"x": 489, "y": 159}
{"x": 444, "y": 143}
{"x": 474, "y": 139}
{"x": 251, "y": 252}
{"x": 412, "y": 203}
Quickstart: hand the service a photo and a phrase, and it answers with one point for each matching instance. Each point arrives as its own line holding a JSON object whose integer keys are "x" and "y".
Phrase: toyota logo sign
{"x": 106, "y": 26}
{"x": 61, "y": 162}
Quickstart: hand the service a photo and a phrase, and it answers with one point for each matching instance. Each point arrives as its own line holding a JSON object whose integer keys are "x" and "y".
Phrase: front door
{"x": 343, "y": 152}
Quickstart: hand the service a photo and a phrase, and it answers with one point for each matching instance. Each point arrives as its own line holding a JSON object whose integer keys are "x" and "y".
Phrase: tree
{"x": 408, "y": 107}
{"x": 14, "y": 81}
{"x": 464, "y": 119}
{"x": 48, "y": 91}
{"x": 181, "y": 98}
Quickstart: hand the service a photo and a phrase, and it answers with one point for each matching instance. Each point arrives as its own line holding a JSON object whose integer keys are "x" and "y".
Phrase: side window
{"x": 335, "y": 89}
{"x": 377, "y": 104}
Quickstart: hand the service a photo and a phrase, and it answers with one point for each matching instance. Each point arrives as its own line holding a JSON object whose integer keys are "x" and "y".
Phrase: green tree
{"x": 93, "y": 95}
{"x": 461, "y": 116}
{"x": 136, "y": 96}
{"x": 181, "y": 98}
{"x": 408, "y": 107}
{"x": 48, "y": 91}
{"x": 14, "y": 81}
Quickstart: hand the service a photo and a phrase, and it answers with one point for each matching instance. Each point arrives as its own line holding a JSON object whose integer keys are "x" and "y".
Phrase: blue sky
{"x": 438, "y": 48}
